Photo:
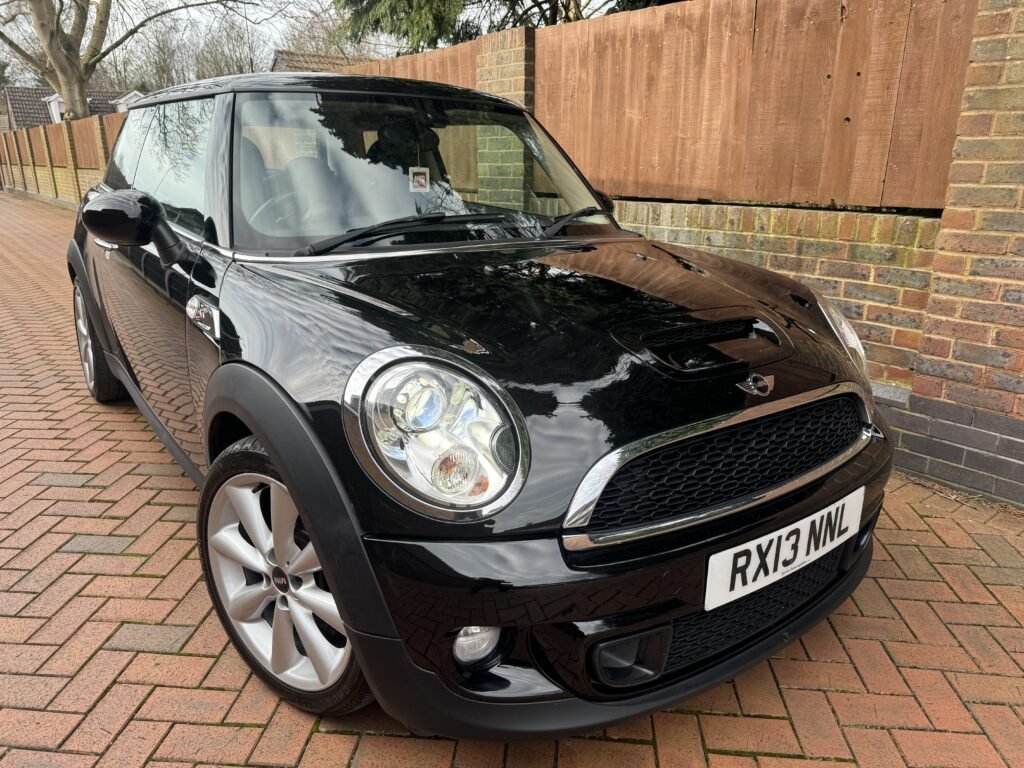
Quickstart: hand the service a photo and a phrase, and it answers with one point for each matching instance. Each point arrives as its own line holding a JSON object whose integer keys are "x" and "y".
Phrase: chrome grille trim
{"x": 592, "y": 486}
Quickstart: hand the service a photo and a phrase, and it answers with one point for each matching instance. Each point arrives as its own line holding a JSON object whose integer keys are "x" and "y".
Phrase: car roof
{"x": 317, "y": 81}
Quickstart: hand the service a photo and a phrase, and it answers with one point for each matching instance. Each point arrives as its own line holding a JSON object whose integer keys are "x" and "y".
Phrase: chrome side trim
{"x": 589, "y": 490}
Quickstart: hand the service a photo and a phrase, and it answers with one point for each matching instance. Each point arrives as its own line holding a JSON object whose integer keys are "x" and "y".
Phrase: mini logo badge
{"x": 759, "y": 385}
{"x": 280, "y": 580}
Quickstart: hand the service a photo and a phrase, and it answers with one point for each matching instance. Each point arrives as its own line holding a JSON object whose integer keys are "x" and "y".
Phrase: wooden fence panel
{"x": 794, "y": 101}
{"x": 112, "y": 127}
{"x": 859, "y": 117}
{"x": 5, "y": 164}
{"x": 58, "y": 151}
{"x": 12, "y": 153}
{"x": 23, "y": 148}
{"x": 86, "y": 141}
{"x": 455, "y": 65}
{"x": 938, "y": 42}
{"x": 38, "y": 141}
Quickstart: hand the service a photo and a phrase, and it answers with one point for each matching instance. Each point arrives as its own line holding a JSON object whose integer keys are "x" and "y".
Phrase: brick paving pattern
{"x": 110, "y": 655}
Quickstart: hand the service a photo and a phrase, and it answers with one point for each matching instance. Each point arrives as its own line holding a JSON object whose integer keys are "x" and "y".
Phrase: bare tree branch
{"x": 35, "y": 62}
{"x": 99, "y": 33}
{"x": 78, "y": 24}
{"x": 152, "y": 17}
{"x": 64, "y": 41}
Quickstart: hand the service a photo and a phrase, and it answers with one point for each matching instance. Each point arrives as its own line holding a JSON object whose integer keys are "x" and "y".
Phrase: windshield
{"x": 310, "y": 166}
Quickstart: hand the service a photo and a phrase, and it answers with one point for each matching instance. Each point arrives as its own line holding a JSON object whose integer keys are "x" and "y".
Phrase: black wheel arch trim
{"x": 77, "y": 263}
{"x": 307, "y": 470}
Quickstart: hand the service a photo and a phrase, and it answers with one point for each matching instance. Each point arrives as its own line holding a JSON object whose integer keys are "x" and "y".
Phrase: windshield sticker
{"x": 419, "y": 179}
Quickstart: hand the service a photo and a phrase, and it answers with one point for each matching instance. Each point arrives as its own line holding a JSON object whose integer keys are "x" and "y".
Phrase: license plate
{"x": 737, "y": 572}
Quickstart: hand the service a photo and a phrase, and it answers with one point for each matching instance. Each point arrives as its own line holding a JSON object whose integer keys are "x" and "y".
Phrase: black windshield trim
{"x": 394, "y": 227}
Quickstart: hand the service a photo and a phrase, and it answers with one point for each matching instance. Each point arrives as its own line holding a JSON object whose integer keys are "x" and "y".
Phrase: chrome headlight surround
{"x": 844, "y": 331}
{"x": 365, "y": 381}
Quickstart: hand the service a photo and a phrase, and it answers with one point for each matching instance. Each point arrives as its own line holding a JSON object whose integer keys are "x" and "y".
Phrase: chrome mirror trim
{"x": 592, "y": 486}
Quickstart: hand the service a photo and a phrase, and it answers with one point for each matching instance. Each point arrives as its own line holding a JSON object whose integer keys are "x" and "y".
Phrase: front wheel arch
{"x": 225, "y": 430}
{"x": 240, "y": 394}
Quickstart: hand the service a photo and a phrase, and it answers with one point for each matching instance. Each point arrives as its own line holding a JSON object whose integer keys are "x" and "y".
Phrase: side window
{"x": 121, "y": 170}
{"x": 173, "y": 164}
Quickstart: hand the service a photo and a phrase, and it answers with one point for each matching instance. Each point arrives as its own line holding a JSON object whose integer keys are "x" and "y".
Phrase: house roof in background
{"x": 296, "y": 61}
{"x": 129, "y": 97}
{"x": 26, "y": 106}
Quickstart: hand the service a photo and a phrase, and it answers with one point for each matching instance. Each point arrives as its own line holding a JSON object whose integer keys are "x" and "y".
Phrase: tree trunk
{"x": 72, "y": 90}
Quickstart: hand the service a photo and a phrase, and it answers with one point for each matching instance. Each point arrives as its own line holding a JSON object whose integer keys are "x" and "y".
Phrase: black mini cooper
{"x": 465, "y": 444}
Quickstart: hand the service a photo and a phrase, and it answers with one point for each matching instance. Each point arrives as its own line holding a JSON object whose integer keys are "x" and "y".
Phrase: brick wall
{"x": 876, "y": 266}
{"x": 505, "y": 67}
{"x": 939, "y": 303}
{"x": 969, "y": 381}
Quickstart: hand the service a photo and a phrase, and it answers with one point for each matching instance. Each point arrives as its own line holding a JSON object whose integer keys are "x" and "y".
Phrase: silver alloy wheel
{"x": 85, "y": 348}
{"x": 271, "y": 584}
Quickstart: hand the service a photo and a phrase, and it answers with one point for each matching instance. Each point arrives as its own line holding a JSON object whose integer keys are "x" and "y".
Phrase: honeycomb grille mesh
{"x": 700, "y": 637}
{"x": 726, "y": 464}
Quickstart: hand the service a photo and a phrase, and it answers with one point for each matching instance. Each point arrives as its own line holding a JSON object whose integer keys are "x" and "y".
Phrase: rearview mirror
{"x": 605, "y": 200}
{"x": 132, "y": 218}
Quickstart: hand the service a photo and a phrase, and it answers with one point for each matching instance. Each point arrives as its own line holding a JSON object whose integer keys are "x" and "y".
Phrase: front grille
{"x": 726, "y": 464}
{"x": 701, "y": 637}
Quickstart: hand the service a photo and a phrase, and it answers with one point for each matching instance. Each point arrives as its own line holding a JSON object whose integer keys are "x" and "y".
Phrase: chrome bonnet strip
{"x": 592, "y": 486}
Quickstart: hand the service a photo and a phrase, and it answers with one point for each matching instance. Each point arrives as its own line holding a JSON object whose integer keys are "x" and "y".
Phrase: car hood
{"x": 568, "y": 332}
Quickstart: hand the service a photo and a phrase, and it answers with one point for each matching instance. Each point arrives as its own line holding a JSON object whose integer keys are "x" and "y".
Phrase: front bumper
{"x": 424, "y": 703}
{"x": 557, "y": 607}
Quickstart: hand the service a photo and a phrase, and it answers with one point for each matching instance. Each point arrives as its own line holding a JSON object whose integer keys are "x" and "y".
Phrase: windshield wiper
{"x": 558, "y": 224}
{"x": 328, "y": 244}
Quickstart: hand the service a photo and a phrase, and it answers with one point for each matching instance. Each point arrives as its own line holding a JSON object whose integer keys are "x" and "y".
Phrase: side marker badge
{"x": 205, "y": 317}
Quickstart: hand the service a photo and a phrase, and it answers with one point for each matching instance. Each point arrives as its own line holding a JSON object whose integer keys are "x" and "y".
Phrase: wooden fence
{"x": 456, "y": 65}
{"x": 821, "y": 102}
{"x": 59, "y": 161}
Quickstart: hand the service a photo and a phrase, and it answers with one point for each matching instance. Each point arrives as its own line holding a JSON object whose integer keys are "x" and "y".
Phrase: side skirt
{"x": 154, "y": 421}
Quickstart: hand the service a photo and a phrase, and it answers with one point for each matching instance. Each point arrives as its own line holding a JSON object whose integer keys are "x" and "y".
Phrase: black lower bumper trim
{"x": 422, "y": 701}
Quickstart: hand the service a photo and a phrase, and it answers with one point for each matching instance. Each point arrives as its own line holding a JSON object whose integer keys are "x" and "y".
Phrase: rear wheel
{"x": 102, "y": 384}
{"x": 268, "y": 587}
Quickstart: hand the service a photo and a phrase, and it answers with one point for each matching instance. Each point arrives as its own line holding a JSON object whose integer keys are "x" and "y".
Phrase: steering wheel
{"x": 275, "y": 206}
{"x": 269, "y": 205}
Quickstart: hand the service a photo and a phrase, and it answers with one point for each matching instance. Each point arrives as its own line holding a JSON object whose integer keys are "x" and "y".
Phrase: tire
{"x": 253, "y": 592}
{"x": 103, "y": 385}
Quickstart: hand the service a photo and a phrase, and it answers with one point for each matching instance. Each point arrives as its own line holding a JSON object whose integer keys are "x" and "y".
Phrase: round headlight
{"x": 440, "y": 435}
{"x": 843, "y": 329}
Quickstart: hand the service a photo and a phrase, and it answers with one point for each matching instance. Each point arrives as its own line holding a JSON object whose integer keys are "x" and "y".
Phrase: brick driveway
{"x": 110, "y": 655}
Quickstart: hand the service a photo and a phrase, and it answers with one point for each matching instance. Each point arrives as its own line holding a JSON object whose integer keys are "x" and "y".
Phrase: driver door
{"x": 145, "y": 300}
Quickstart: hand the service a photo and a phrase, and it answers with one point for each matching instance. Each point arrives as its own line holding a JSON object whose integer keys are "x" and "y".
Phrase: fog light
{"x": 474, "y": 644}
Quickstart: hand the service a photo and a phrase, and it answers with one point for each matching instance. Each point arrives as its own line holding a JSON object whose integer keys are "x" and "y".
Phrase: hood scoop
{"x": 704, "y": 343}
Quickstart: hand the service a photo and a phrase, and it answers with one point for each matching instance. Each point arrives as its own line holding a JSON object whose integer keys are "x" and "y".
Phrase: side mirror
{"x": 130, "y": 217}
{"x": 605, "y": 200}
